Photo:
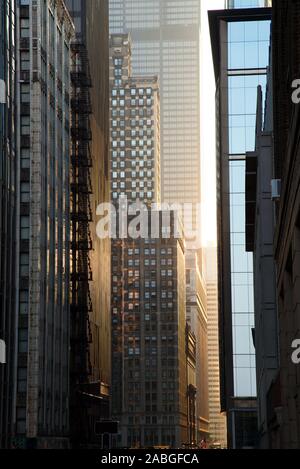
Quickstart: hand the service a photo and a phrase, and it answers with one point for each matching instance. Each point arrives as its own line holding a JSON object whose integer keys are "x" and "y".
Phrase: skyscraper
{"x": 148, "y": 274}
{"x": 196, "y": 314}
{"x": 240, "y": 42}
{"x": 135, "y": 128}
{"x": 39, "y": 401}
{"x": 166, "y": 41}
{"x": 259, "y": 239}
{"x": 7, "y": 209}
{"x": 284, "y": 393}
{"x": 217, "y": 420}
{"x": 90, "y": 268}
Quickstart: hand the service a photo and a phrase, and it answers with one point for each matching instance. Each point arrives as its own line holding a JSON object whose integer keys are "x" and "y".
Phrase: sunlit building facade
{"x": 40, "y": 399}
{"x": 149, "y": 379}
{"x": 166, "y": 41}
{"x": 240, "y": 40}
{"x": 217, "y": 420}
{"x": 197, "y": 319}
{"x": 90, "y": 186}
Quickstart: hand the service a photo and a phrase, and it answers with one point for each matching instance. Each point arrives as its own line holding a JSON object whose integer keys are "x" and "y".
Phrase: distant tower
{"x": 148, "y": 275}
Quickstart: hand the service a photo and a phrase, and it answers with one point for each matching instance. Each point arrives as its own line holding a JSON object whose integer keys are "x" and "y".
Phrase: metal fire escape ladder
{"x": 81, "y": 217}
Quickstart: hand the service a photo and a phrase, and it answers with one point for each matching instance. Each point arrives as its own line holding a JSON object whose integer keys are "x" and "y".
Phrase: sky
{"x": 208, "y": 136}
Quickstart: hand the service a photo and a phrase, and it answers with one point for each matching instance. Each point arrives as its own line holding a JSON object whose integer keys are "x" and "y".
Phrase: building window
{"x": 25, "y": 125}
{"x": 25, "y": 192}
{"x": 22, "y": 384}
{"x": 24, "y": 234}
{"x": 25, "y": 93}
{"x": 24, "y": 23}
{"x": 25, "y": 158}
{"x": 25, "y": 61}
{"x": 23, "y": 340}
{"x": 24, "y": 265}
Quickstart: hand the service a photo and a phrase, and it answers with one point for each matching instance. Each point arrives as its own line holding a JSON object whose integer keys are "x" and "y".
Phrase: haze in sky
{"x": 208, "y": 136}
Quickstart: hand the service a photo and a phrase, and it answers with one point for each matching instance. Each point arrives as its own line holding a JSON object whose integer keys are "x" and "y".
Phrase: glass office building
{"x": 248, "y": 3}
{"x": 248, "y": 56}
{"x": 241, "y": 40}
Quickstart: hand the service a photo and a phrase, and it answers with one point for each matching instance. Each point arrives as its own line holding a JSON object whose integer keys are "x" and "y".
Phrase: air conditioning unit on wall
{"x": 275, "y": 189}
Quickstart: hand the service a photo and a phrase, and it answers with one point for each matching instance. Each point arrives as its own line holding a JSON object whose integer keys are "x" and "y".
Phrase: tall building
{"x": 38, "y": 405}
{"x": 240, "y": 43}
{"x": 259, "y": 239}
{"x": 191, "y": 357}
{"x": 90, "y": 186}
{"x": 7, "y": 209}
{"x": 148, "y": 274}
{"x": 284, "y": 393}
{"x": 166, "y": 41}
{"x": 217, "y": 420}
{"x": 196, "y": 313}
{"x": 149, "y": 348}
{"x": 135, "y": 128}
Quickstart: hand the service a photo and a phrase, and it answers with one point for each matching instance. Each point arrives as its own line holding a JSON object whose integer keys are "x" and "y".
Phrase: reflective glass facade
{"x": 248, "y": 56}
{"x": 248, "y": 3}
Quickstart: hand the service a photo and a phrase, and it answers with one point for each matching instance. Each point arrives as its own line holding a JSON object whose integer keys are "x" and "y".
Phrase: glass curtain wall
{"x": 248, "y": 3}
{"x": 248, "y": 56}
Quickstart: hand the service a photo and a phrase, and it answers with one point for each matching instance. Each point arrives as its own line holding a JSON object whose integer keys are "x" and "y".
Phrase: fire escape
{"x": 81, "y": 241}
